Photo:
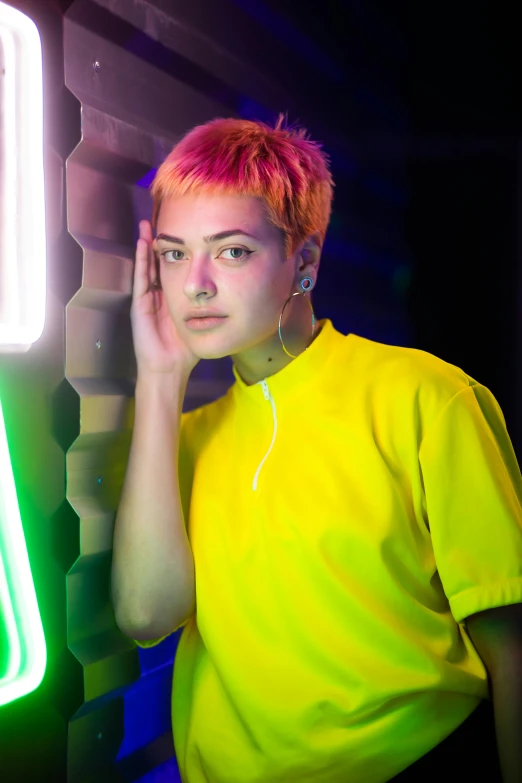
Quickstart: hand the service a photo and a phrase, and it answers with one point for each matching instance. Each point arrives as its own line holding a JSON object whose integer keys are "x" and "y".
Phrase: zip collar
{"x": 267, "y": 396}
{"x": 295, "y": 379}
{"x": 290, "y": 383}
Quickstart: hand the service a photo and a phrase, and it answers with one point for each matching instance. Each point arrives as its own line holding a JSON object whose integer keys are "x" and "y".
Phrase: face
{"x": 245, "y": 278}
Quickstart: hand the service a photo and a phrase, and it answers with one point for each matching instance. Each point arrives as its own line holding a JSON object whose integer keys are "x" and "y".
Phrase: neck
{"x": 269, "y": 358}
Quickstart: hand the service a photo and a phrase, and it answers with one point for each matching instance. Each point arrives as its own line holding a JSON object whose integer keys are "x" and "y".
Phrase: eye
{"x": 168, "y": 260}
{"x": 247, "y": 253}
{"x": 236, "y": 258}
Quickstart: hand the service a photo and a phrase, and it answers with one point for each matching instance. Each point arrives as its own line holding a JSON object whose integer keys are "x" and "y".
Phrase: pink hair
{"x": 244, "y": 157}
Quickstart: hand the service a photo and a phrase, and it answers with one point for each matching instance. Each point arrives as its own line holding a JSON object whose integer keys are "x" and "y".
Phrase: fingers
{"x": 146, "y": 230}
{"x": 144, "y": 272}
{"x": 146, "y": 233}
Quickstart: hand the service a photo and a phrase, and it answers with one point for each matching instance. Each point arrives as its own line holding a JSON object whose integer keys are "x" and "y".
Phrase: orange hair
{"x": 245, "y": 157}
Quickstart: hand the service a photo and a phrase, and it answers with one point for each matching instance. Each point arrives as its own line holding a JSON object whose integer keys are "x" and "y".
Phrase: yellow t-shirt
{"x": 346, "y": 515}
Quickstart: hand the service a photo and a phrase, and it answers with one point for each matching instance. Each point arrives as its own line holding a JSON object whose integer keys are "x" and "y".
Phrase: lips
{"x": 193, "y": 316}
{"x": 206, "y": 323}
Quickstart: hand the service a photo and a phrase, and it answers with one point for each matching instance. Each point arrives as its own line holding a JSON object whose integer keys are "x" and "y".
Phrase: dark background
{"x": 460, "y": 85}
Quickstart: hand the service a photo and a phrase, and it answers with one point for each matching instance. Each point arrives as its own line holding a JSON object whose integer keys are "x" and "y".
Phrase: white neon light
{"x": 22, "y": 197}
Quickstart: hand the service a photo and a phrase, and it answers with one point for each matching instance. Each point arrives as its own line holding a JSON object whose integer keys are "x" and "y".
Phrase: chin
{"x": 217, "y": 345}
{"x": 215, "y": 354}
{"x": 208, "y": 348}
{"x": 212, "y": 354}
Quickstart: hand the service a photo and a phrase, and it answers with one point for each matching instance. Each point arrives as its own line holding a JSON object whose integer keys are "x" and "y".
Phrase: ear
{"x": 309, "y": 255}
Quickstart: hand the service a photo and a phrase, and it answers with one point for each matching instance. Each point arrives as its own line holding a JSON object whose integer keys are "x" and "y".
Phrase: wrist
{"x": 168, "y": 386}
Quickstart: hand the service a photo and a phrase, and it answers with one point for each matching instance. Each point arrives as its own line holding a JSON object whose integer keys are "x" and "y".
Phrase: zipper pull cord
{"x": 267, "y": 396}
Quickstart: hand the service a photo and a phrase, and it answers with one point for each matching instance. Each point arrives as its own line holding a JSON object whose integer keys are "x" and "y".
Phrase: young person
{"x": 340, "y": 534}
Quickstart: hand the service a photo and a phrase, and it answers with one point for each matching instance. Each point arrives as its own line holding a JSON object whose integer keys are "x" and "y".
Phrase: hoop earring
{"x": 306, "y": 285}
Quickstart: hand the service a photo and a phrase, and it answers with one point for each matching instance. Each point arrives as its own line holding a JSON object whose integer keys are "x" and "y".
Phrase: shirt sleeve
{"x": 149, "y": 642}
{"x": 153, "y": 642}
{"x": 473, "y": 503}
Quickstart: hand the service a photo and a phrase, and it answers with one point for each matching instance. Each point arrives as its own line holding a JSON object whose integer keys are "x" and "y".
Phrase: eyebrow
{"x": 208, "y": 240}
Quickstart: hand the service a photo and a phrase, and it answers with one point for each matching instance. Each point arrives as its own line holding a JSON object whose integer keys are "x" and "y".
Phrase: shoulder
{"x": 408, "y": 376}
{"x": 408, "y": 366}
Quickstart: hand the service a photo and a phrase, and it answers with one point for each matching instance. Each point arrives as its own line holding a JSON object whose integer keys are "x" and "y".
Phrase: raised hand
{"x": 157, "y": 343}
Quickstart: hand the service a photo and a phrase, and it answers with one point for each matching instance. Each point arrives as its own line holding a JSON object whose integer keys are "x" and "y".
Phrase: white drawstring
{"x": 267, "y": 397}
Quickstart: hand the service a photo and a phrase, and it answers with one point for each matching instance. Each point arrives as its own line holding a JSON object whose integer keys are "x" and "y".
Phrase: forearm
{"x": 506, "y": 687}
{"x": 152, "y": 580}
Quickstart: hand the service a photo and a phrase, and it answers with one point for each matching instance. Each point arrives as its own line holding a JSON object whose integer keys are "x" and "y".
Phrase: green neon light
{"x": 24, "y": 668}
{"x": 22, "y": 197}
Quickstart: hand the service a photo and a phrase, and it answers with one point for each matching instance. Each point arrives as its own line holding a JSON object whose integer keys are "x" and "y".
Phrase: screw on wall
{"x": 96, "y": 66}
{"x": 98, "y": 344}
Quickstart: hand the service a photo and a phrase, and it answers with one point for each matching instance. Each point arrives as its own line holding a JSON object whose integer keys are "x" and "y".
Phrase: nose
{"x": 199, "y": 280}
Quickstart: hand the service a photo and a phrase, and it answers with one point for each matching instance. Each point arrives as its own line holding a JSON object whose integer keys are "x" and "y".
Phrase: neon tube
{"x": 22, "y": 197}
{"x": 26, "y": 650}
{"x": 22, "y": 317}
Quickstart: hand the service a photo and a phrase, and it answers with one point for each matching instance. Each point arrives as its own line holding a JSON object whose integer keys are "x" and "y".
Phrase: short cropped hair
{"x": 280, "y": 165}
